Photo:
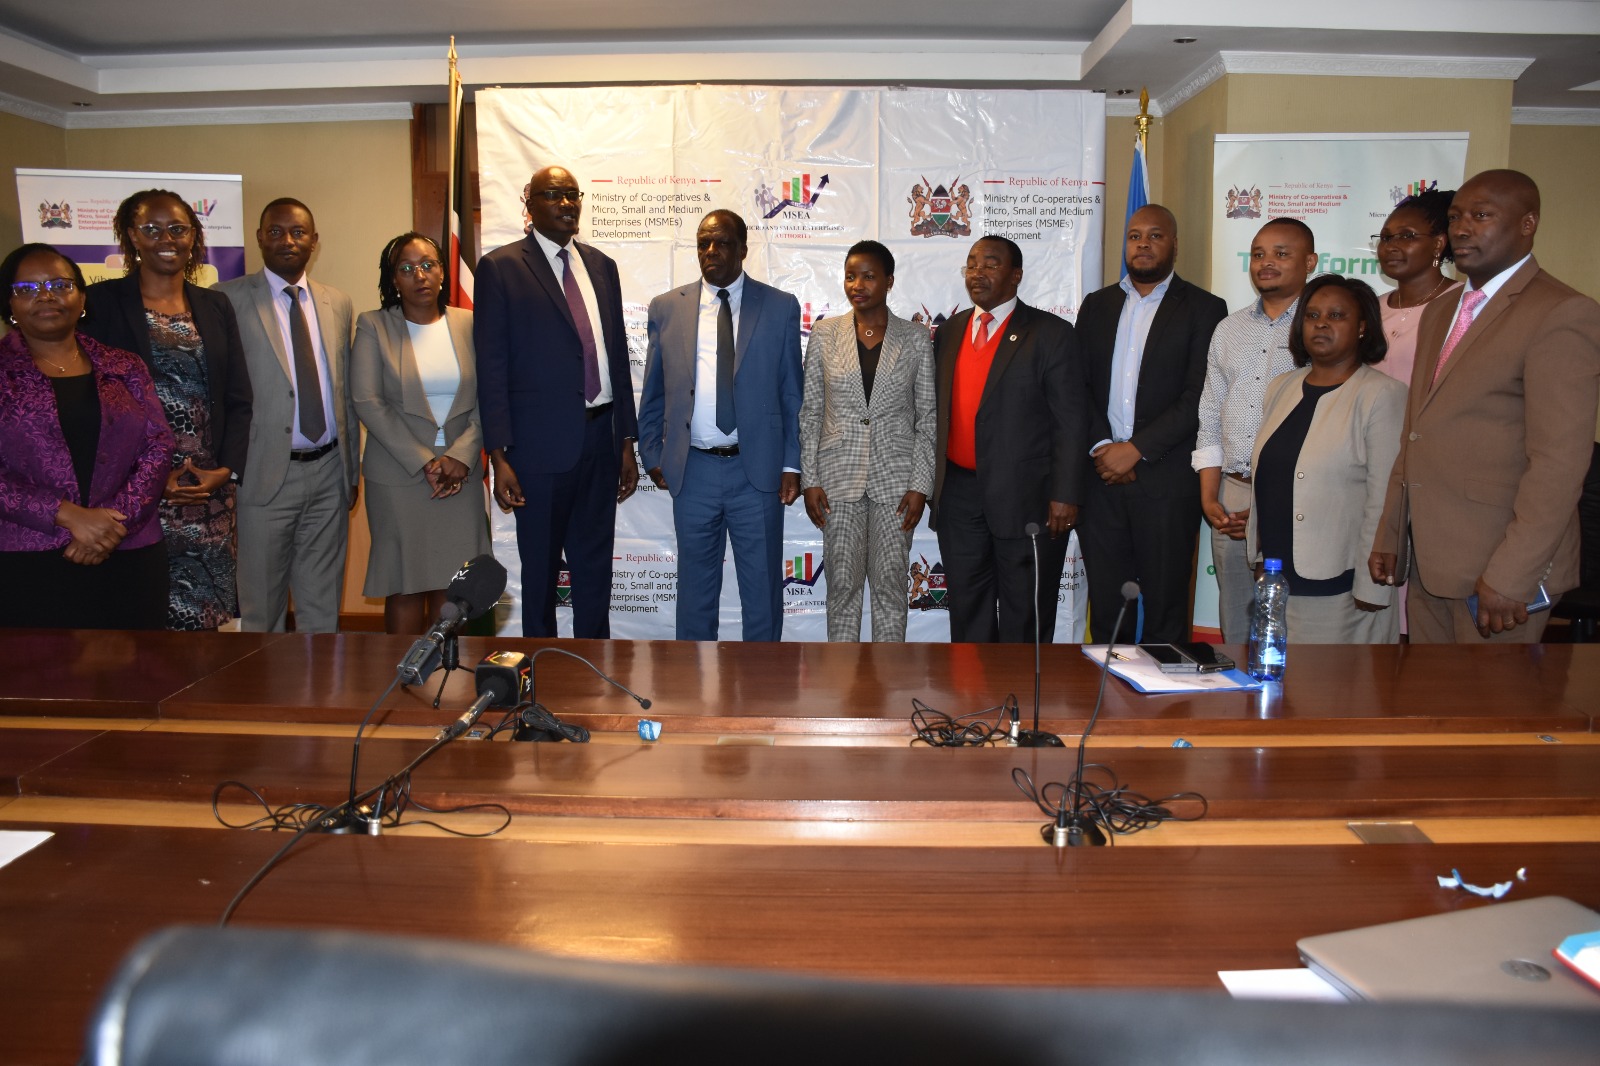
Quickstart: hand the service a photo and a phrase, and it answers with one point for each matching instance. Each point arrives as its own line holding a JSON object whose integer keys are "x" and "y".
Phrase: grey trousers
{"x": 295, "y": 544}
{"x": 862, "y": 544}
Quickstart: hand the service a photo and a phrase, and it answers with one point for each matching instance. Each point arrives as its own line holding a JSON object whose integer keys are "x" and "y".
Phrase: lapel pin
{"x": 1012, "y": 338}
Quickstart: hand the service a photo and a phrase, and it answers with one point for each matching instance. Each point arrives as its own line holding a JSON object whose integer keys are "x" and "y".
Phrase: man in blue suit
{"x": 719, "y": 423}
{"x": 555, "y": 395}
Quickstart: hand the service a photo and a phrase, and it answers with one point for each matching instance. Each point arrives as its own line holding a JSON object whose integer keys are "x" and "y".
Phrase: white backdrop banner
{"x": 73, "y": 209}
{"x": 1342, "y": 185}
{"x": 811, "y": 171}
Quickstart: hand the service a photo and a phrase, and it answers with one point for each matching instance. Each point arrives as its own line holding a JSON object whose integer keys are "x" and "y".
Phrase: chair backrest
{"x": 234, "y": 997}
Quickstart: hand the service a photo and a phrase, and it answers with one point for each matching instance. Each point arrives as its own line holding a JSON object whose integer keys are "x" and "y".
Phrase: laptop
{"x": 1501, "y": 953}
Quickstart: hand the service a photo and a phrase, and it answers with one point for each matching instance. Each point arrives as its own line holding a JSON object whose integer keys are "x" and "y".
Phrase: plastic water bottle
{"x": 1269, "y": 627}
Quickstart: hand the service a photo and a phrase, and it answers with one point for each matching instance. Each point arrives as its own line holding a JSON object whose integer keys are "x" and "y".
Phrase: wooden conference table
{"x": 804, "y": 832}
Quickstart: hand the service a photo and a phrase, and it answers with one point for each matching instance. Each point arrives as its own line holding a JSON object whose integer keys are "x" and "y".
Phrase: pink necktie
{"x": 1469, "y": 303}
{"x": 983, "y": 328}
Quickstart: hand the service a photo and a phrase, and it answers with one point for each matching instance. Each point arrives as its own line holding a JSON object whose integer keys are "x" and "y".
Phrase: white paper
{"x": 16, "y": 843}
{"x": 1130, "y": 663}
{"x": 1298, "y": 983}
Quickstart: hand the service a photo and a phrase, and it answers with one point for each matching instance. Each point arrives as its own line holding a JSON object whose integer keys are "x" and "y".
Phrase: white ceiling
{"x": 116, "y": 62}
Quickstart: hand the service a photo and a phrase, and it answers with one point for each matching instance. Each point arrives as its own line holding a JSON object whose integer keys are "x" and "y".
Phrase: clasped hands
{"x": 206, "y": 483}
{"x": 444, "y": 474}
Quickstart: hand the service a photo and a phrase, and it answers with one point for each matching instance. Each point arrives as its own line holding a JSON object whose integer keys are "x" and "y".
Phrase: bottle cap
{"x": 1273, "y": 566}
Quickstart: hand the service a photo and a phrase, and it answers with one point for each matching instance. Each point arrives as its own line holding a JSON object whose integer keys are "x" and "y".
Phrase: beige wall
{"x": 1181, "y": 142}
{"x": 23, "y": 143}
{"x": 355, "y": 177}
{"x": 1187, "y": 137}
{"x": 1564, "y": 161}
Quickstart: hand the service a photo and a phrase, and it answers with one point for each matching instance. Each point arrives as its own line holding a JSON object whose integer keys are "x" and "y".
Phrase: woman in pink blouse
{"x": 1411, "y": 247}
{"x": 84, "y": 454}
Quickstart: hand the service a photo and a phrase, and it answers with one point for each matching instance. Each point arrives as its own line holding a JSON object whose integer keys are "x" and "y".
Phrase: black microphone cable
{"x": 939, "y": 730}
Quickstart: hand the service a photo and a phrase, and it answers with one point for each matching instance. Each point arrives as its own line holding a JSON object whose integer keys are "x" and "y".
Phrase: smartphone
{"x": 1170, "y": 658}
{"x": 1187, "y": 657}
{"x": 1209, "y": 659}
{"x": 1541, "y": 602}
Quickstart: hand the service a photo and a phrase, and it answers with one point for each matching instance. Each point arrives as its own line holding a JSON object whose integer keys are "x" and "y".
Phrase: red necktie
{"x": 983, "y": 328}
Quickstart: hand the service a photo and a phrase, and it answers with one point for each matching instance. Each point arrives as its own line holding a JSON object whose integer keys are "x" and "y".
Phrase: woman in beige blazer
{"x": 415, "y": 387}
{"x": 1328, "y": 439}
{"x": 866, "y": 446}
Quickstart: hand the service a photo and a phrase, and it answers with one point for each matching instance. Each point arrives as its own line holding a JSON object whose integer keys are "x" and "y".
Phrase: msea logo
{"x": 1414, "y": 188}
{"x": 796, "y": 192}
{"x": 810, "y": 315}
{"x": 801, "y": 570}
{"x": 204, "y": 207}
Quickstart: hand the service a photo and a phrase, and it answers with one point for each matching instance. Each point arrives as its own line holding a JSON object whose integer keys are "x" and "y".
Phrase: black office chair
{"x": 1581, "y": 606}
{"x": 241, "y": 997}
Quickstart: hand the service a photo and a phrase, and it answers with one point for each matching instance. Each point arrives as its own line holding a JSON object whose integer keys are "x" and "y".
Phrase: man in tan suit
{"x": 1498, "y": 430}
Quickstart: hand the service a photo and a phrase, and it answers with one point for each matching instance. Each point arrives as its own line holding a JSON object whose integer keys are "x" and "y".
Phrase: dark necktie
{"x": 725, "y": 421}
{"x": 307, "y": 386}
{"x": 580, "y": 319}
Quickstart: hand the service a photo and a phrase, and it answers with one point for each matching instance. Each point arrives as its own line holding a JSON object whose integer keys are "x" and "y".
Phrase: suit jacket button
{"x": 1413, "y": 436}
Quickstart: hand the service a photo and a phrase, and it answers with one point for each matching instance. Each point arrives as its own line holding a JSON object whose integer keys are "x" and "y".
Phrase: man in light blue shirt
{"x": 1144, "y": 344}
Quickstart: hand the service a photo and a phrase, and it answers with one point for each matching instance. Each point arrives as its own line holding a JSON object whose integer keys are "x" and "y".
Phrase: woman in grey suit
{"x": 866, "y": 445}
{"x": 415, "y": 388}
{"x": 1328, "y": 440}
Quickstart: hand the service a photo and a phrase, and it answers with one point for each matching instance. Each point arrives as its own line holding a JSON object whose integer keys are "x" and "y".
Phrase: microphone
{"x": 475, "y": 588}
{"x": 537, "y": 723}
{"x": 1078, "y": 828}
{"x": 502, "y": 678}
{"x": 1035, "y": 738}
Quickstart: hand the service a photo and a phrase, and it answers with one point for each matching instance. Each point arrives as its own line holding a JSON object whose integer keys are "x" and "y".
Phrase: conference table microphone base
{"x": 1075, "y": 830}
{"x": 1038, "y": 738}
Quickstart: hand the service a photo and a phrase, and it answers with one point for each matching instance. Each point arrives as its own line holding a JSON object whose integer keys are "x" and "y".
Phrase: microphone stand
{"x": 450, "y": 659}
{"x": 538, "y": 724}
{"x": 1080, "y": 827}
{"x": 1035, "y": 737}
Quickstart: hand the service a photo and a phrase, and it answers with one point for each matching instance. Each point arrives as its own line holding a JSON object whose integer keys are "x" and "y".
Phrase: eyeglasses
{"x": 176, "y": 230}
{"x": 1406, "y": 235}
{"x": 427, "y": 266}
{"x": 32, "y": 290}
{"x": 555, "y": 196}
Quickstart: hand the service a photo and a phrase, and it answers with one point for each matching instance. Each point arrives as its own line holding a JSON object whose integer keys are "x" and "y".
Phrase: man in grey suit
{"x": 719, "y": 429}
{"x": 295, "y": 501}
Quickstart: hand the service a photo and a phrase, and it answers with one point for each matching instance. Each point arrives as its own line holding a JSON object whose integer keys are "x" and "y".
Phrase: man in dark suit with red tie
{"x": 555, "y": 395}
{"x": 1009, "y": 455}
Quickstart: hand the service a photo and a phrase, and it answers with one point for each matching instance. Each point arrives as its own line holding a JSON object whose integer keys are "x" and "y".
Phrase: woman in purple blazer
{"x": 84, "y": 454}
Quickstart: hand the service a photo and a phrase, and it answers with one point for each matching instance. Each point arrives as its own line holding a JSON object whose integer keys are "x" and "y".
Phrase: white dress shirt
{"x": 590, "y": 303}
{"x": 1127, "y": 358}
{"x": 703, "y": 431}
{"x": 298, "y": 441}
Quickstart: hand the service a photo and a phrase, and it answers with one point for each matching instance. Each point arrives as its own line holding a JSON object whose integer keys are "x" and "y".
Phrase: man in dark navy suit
{"x": 555, "y": 395}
